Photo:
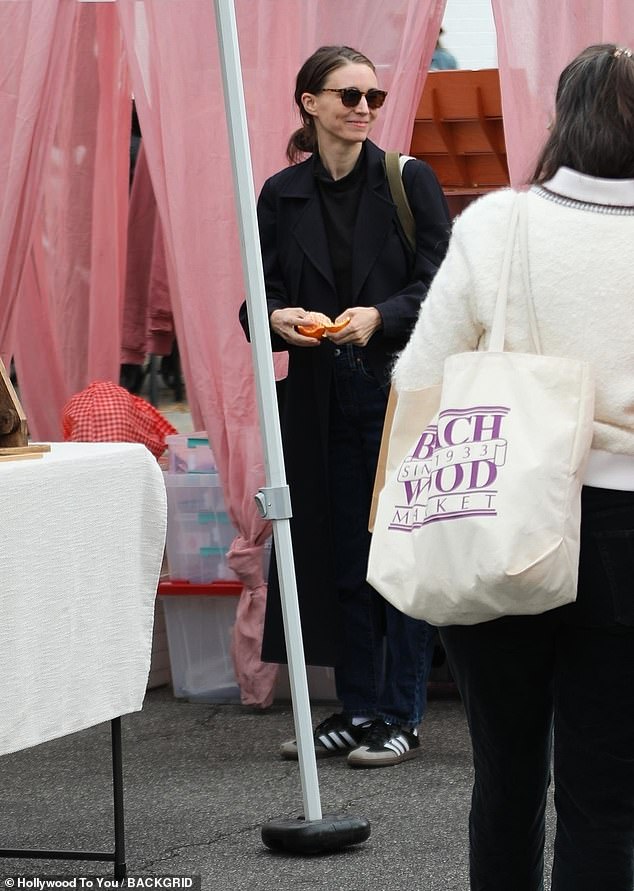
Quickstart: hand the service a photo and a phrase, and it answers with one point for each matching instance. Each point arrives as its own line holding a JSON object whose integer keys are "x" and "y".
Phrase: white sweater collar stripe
{"x": 592, "y": 189}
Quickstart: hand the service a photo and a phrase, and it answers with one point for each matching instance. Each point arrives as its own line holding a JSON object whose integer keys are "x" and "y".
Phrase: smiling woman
{"x": 333, "y": 248}
{"x": 341, "y": 124}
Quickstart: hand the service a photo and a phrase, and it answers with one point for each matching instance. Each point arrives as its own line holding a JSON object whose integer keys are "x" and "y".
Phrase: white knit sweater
{"x": 581, "y": 260}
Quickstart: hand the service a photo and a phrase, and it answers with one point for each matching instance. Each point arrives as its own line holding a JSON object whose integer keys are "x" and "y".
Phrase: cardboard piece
{"x": 14, "y": 431}
{"x": 381, "y": 467}
{"x": 13, "y": 426}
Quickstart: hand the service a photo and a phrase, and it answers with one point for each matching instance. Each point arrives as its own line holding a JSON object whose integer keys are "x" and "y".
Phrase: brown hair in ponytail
{"x": 310, "y": 79}
{"x": 593, "y": 132}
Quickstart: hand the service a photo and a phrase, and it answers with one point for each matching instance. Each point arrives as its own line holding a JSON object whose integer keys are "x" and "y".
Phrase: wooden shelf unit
{"x": 458, "y": 131}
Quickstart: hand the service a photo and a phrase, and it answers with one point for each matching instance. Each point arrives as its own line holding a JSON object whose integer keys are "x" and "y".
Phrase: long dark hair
{"x": 310, "y": 79}
{"x": 593, "y": 131}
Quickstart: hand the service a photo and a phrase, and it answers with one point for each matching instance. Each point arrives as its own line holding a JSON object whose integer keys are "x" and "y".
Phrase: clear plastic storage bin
{"x": 199, "y": 532}
{"x": 199, "y": 629}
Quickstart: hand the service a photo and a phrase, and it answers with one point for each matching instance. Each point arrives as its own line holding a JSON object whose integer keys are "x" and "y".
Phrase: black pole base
{"x": 300, "y": 836}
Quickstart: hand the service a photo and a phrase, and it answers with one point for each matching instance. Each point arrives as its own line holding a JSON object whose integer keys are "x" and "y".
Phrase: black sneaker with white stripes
{"x": 337, "y": 735}
{"x": 384, "y": 744}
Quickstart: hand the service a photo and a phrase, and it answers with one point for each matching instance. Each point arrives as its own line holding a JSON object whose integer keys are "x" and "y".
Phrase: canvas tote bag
{"x": 480, "y": 514}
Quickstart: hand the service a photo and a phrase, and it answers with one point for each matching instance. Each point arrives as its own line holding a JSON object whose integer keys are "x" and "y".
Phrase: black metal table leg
{"x": 118, "y": 856}
{"x": 117, "y": 789}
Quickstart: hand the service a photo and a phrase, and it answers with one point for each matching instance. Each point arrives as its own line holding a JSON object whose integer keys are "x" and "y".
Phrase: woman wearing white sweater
{"x": 572, "y": 667}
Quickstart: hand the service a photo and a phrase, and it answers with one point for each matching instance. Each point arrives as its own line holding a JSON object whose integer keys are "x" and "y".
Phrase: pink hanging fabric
{"x": 72, "y": 296}
{"x": 535, "y": 42}
{"x": 148, "y": 326}
{"x": 160, "y": 322}
{"x": 142, "y": 220}
{"x": 34, "y": 44}
{"x": 176, "y": 79}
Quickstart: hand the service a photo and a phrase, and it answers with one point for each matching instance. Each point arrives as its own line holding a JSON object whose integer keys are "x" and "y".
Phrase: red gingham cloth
{"x": 105, "y": 412}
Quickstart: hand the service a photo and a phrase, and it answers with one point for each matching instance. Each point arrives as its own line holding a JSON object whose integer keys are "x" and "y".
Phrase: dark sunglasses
{"x": 351, "y": 96}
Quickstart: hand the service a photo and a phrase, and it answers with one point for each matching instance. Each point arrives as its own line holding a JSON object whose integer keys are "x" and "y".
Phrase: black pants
{"x": 386, "y": 659}
{"x": 571, "y": 669}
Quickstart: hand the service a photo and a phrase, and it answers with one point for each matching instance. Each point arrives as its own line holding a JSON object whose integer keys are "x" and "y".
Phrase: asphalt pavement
{"x": 201, "y": 780}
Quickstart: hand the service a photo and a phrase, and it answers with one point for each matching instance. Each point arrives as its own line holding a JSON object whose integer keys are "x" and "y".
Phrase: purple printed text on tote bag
{"x": 452, "y": 472}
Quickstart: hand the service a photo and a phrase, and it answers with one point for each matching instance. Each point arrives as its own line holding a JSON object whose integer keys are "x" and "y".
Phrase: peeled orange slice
{"x": 337, "y": 326}
{"x": 316, "y": 327}
{"x": 316, "y": 331}
{"x": 320, "y": 325}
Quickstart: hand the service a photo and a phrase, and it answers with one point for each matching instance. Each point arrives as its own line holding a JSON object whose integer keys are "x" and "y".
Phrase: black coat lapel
{"x": 374, "y": 219}
{"x": 308, "y": 224}
{"x": 310, "y": 233}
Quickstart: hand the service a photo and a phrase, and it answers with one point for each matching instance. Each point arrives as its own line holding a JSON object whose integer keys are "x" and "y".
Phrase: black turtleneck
{"x": 339, "y": 205}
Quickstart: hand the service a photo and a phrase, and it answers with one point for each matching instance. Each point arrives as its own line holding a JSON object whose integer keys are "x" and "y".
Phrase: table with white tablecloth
{"x": 81, "y": 542}
{"x": 82, "y": 532}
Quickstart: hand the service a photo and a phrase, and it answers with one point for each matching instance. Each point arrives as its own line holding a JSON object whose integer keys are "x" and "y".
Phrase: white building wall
{"x": 469, "y": 33}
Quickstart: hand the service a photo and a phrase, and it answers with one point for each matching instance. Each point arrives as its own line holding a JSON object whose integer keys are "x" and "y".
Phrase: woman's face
{"x": 335, "y": 123}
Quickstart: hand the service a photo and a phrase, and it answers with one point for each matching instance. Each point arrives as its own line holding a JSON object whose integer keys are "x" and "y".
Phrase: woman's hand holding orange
{"x": 364, "y": 321}
{"x": 285, "y": 321}
{"x": 303, "y": 328}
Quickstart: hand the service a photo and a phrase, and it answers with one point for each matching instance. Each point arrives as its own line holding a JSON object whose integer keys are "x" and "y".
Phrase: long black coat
{"x": 298, "y": 272}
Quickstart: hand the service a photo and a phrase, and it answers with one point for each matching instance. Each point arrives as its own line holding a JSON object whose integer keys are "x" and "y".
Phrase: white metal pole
{"x": 274, "y": 501}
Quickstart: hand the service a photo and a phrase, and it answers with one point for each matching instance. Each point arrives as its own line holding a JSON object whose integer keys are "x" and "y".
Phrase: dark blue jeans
{"x": 386, "y": 656}
{"x": 571, "y": 670}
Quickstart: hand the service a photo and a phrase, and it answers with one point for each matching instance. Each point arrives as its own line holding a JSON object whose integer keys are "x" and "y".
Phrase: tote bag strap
{"x": 394, "y": 164}
{"x": 498, "y": 329}
{"x": 518, "y": 224}
{"x": 526, "y": 281}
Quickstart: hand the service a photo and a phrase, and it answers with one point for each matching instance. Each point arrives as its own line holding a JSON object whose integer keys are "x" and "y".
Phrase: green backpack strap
{"x": 394, "y": 167}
